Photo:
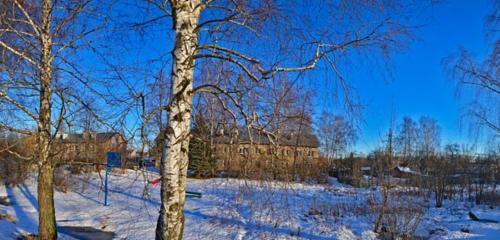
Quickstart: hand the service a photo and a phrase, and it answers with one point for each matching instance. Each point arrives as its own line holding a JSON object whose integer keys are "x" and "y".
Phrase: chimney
{"x": 87, "y": 135}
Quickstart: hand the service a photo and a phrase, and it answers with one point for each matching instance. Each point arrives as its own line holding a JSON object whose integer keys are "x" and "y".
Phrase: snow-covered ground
{"x": 234, "y": 209}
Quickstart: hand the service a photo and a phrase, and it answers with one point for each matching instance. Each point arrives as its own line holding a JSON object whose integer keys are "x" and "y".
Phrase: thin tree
{"x": 40, "y": 82}
{"x": 407, "y": 139}
{"x": 288, "y": 42}
{"x": 336, "y": 133}
{"x": 429, "y": 140}
{"x": 480, "y": 78}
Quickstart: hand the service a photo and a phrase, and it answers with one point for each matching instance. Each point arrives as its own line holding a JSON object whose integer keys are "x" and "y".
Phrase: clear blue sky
{"x": 419, "y": 85}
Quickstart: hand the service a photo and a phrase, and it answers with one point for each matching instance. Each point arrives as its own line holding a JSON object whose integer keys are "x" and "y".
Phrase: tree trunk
{"x": 47, "y": 219}
{"x": 174, "y": 160}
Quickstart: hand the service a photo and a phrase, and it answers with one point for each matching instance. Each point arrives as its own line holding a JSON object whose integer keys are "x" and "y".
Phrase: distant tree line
{"x": 412, "y": 156}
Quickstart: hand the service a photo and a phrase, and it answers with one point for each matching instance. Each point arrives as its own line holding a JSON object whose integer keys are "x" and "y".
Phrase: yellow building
{"x": 263, "y": 153}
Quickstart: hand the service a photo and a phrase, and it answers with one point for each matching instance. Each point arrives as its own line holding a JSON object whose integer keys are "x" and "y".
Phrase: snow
{"x": 234, "y": 209}
{"x": 406, "y": 170}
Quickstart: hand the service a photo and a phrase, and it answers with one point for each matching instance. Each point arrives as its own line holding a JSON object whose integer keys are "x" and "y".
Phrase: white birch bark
{"x": 174, "y": 158}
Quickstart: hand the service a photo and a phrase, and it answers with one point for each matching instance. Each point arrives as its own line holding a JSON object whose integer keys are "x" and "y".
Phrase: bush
{"x": 61, "y": 179}
{"x": 14, "y": 171}
{"x": 403, "y": 213}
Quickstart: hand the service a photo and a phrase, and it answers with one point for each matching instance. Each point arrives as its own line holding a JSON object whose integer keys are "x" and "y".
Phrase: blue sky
{"x": 418, "y": 84}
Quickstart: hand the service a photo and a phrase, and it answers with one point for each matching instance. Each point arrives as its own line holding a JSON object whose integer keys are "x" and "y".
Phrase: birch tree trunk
{"x": 47, "y": 220}
{"x": 174, "y": 160}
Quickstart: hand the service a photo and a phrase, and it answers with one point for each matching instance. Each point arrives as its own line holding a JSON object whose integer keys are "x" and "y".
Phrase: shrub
{"x": 14, "y": 163}
{"x": 61, "y": 179}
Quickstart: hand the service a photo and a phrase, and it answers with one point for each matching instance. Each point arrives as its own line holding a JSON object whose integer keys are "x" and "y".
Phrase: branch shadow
{"x": 23, "y": 219}
{"x": 86, "y": 233}
{"x": 28, "y": 195}
{"x": 89, "y": 198}
{"x": 253, "y": 226}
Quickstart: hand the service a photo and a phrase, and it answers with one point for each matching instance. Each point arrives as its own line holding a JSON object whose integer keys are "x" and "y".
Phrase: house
{"x": 133, "y": 154}
{"x": 89, "y": 146}
{"x": 403, "y": 172}
{"x": 366, "y": 170}
{"x": 138, "y": 159}
{"x": 256, "y": 150}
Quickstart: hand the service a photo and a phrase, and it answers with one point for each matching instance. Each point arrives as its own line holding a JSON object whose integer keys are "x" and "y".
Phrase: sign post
{"x": 113, "y": 160}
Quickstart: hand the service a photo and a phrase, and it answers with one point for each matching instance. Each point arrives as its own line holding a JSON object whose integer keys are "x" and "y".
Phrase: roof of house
{"x": 301, "y": 140}
{"x": 405, "y": 170}
{"x": 82, "y": 137}
{"x": 104, "y": 136}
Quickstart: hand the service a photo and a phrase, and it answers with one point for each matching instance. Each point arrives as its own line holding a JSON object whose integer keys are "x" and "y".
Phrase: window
{"x": 299, "y": 153}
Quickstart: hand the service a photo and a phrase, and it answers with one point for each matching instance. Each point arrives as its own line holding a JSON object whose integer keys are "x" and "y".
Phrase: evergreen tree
{"x": 202, "y": 161}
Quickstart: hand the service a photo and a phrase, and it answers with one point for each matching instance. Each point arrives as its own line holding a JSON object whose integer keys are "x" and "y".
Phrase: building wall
{"x": 74, "y": 151}
{"x": 238, "y": 157}
{"x": 117, "y": 143}
{"x": 90, "y": 150}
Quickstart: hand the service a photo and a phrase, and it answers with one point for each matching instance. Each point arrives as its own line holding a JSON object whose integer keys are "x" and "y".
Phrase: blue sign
{"x": 113, "y": 160}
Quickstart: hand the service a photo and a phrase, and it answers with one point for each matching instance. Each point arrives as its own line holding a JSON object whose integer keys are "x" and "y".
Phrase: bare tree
{"x": 385, "y": 164}
{"x": 336, "y": 133}
{"x": 289, "y": 42}
{"x": 40, "y": 82}
{"x": 481, "y": 77}
{"x": 153, "y": 113}
{"x": 429, "y": 140}
{"x": 407, "y": 139}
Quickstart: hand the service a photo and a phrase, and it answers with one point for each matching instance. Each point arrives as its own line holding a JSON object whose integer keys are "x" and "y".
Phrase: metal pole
{"x": 106, "y": 187}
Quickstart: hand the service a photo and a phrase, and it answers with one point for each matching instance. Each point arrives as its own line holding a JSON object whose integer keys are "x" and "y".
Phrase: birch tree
{"x": 336, "y": 133}
{"x": 480, "y": 78}
{"x": 429, "y": 140}
{"x": 258, "y": 40}
{"x": 406, "y": 139}
{"x": 40, "y": 81}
